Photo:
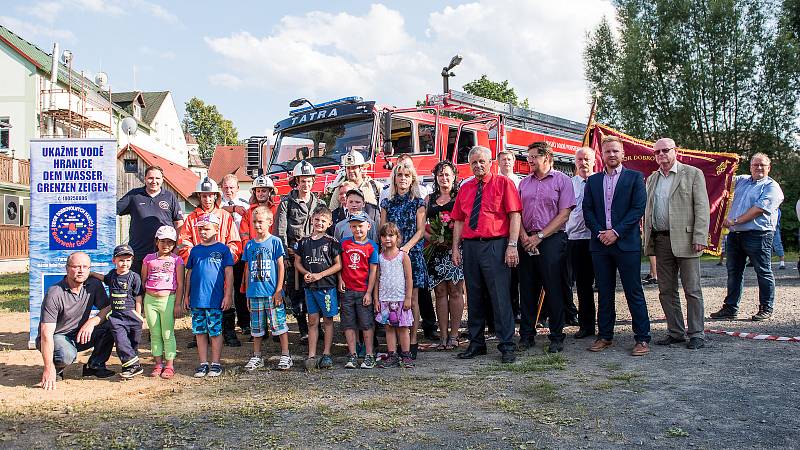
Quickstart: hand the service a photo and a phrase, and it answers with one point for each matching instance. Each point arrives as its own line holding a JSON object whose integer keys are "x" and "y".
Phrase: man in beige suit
{"x": 676, "y": 232}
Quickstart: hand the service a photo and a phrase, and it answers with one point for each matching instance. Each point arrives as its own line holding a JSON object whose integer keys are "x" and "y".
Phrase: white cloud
{"x": 157, "y": 11}
{"x": 225, "y": 80}
{"x": 29, "y": 30}
{"x": 49, "y": 10}
{"x": 46, "y": 11}
{"x": 101, "y": 6}
{"x": 537, "y": 46}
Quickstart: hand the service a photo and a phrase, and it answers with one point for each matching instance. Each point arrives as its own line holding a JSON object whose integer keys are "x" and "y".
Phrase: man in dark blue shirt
{"x": 149, "y": 207}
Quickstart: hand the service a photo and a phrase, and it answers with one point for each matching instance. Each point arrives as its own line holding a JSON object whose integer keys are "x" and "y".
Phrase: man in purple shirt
{"x": 547, "y": 199}
{"x": 613, "y": 204}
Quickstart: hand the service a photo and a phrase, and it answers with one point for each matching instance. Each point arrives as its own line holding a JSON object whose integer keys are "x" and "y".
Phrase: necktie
{"x": 476, "y": 207}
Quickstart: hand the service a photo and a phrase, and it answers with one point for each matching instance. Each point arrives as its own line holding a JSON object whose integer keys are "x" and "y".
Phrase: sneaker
{"x": 352, "y": 361}
{"x": 369, "y": 362}
{"x": 782, "y": 267}
{"x": 311, "y": 363}
{"x": 285, "y": 363}
{"x": 256, "y": 362}
{"x": 725, "y": 313}
{"x": 392, "y": 360}
{"x": 201, "y": 371}
{"x": 406, "y": 361}
{"x": 326, "y": 362}
{"x": 131, "y": 371}
{"x": 361, "y": 349}
{"x": 99, "y": 372}
{"x": 762, "y": 314}
{"x": 215, "y": 370}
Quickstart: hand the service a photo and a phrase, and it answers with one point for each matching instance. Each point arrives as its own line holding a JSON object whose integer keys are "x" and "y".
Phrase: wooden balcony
{"x": 15, "y": 171}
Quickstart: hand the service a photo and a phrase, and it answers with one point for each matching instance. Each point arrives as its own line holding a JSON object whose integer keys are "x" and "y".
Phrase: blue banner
{"x": 73, "y": 208}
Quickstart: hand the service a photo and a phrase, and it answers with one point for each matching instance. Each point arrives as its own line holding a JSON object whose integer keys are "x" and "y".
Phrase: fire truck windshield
{"x": 321, "y": 144}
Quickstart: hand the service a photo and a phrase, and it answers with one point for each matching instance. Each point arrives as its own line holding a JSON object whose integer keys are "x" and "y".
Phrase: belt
{"x": 660, "y": 233}
{"x": 483, "y": 239}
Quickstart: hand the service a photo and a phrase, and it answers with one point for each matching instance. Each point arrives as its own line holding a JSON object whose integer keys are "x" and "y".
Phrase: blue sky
{"x": 252, "y": 58}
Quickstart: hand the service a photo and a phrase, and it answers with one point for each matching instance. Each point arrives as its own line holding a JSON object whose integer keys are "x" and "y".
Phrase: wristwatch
{"x": 540, "y": 235}
{"x": 735, "y": 219}
{"x": 512, "y": 244}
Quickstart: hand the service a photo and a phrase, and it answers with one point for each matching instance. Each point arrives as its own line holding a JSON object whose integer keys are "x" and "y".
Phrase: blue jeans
{"x": 758, "y": 246}
{"x": 66, "y": 348}
{"x": 777, "y": 244}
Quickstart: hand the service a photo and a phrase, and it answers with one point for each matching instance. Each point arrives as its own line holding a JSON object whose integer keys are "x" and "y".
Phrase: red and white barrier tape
{"x": 755, "y": 336}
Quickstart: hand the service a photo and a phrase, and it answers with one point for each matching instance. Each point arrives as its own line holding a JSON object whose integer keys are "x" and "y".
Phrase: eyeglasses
{"x": 663, "y": 150}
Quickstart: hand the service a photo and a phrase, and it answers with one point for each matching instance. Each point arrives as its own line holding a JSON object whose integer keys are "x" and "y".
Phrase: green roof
{"x": 152, "y": 103}
{"x": 43, "y": 60}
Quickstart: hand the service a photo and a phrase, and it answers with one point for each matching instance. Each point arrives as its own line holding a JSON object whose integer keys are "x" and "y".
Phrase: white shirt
{"x": 576, "y": 226}
{"x": 237, "y": 201}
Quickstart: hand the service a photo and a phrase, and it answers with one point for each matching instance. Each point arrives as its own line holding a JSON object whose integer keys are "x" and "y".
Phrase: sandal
{"x": 442, "y": 346}
{"x": 167, "y": 373}
{"x": 451, "y": 343}
{"x": 157, "y": 370}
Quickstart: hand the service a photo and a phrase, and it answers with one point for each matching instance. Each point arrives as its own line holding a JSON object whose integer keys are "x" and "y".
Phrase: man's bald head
{"x": 78, "y": 267}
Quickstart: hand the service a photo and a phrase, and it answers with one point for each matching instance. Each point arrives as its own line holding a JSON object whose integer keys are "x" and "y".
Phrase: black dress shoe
{"x": 526, "y": 344}
{"x": 508, "y": 357}
{"x": 472, "y": 352}
{"x": 231, "y": 340}
{"x": 669, "y": 340}
{"x": 99, "y": 372}
{"x": 556, "y": 347}
{"x": 695, "y": 343}
{"x": 583, "y": 333}
{"x": 572, "y": 321}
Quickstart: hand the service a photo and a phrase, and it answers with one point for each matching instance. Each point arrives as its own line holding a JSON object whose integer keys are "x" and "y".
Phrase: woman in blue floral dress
{"x": 406, "y": 208}
{"x": 446, "y": 279}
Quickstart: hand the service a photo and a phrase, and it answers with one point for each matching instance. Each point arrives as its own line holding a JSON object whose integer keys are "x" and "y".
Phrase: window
{"x": 131, "y": 165}
{"x": 466, "y": 140}
{"x": 5, "y": 131}
{"x": 451, "y": 143}
{"x": 401, "y": 138}
{"x": 427, "y": 137}
{"x": 137, "y": 111}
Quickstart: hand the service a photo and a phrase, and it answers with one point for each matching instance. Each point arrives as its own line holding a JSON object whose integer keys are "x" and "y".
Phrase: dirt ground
{"x": 735, "y": 393}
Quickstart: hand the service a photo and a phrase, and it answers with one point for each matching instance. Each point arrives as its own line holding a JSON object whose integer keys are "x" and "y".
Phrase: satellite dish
{"x": 66, "y": 57}
{"x": 101, "y": 80}
{"x": 129, "y": 126}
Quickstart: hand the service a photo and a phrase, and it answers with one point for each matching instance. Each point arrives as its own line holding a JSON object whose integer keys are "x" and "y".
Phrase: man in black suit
{"x": 613, "y": 204}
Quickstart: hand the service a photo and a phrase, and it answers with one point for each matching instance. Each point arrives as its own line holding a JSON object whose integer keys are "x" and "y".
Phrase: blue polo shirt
{"x": 765, "y": 194}
{"x": 147, "y": 215}
{"x": 208, "y": 263}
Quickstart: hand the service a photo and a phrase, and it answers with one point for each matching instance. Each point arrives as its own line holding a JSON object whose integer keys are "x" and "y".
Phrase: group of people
{"x": 373, "y": 255}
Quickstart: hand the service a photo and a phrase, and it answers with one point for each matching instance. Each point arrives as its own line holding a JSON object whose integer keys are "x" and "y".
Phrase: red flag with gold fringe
{"x": 718, "y": 168}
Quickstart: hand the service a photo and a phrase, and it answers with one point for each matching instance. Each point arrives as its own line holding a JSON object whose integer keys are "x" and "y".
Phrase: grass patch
{"x": 675, "y": 432}
{"x": 14, "y": 295}
{"x": 627, "y": 377}
{"x": 543, "y": 363}
{"x": 545, "y": 391}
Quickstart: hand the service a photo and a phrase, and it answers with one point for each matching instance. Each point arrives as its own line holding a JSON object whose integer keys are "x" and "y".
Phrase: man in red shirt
{"x": 487, "y": 217}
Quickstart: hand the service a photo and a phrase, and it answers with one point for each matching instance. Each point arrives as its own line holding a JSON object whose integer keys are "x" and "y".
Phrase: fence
{"x": 15, "y": 171}
{"x": 13, "y": 242}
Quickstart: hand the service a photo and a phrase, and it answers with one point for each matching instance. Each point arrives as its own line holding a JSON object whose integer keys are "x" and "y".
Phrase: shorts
{"x": 403, "y": 318}
{"x": 322, "y": 301}
{"x": 207, "y": 321}
{"x": 354, "y": 315}
{"x": 264, "y": 314}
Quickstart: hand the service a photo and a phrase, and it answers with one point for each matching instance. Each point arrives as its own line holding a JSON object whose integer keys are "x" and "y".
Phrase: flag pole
{"x": 592, "y": 113}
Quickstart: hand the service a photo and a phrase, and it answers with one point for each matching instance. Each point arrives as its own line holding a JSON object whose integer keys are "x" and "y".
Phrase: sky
{"x": 251, "y": 58}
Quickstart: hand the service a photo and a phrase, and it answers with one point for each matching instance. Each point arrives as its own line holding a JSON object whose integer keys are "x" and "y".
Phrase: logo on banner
{"x": 72, "y": 227}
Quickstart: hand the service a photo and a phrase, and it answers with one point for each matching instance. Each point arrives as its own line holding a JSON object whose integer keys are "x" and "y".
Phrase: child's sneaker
{"x": 311, "y": 363}
{"x": 392, "y": 360}
{"x": 369, "y": 362}
{"x": 326, "y": 362}
{"x": 285, "y": 363}
{"x": 215, "y": 370}
{"x": 361, "y": 349}
{"x": 256, "y": 362}
{"x": 131, "y": 371}
{"x": 352, "y": 361}
{"x": 406, "y": 361}
{"x": 201, "y": 371}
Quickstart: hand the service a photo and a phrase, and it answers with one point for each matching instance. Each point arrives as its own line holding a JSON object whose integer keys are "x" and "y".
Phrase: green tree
{"x": 493, "y": 90}
{"x": 208, "y": 126}
{"x": 719, "y": 75}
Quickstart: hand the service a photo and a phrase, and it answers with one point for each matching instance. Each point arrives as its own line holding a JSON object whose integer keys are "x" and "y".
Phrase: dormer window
{"x": 137, "y": 111}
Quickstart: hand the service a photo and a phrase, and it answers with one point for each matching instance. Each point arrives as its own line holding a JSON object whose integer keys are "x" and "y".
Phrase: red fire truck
{"x": 446, "y": 127}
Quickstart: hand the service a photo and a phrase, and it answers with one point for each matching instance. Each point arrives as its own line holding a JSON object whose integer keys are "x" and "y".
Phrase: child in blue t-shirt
{"x": 263, "y": 276}
{"x": 209, "y": 291}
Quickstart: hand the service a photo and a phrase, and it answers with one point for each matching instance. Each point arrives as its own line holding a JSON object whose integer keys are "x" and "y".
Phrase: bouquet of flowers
{"x": 441, "y": 231}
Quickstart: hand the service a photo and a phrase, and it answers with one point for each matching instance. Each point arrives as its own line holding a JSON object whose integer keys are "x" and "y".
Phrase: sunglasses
{"x": 663, "y": 150}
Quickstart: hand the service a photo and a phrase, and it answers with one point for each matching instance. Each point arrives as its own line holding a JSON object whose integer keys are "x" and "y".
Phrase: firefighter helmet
{"x": 262, "y": 181}
{"x": 207, "y": 185}
{"x": 353, "y": 158}
{"x": 304, "y": 169}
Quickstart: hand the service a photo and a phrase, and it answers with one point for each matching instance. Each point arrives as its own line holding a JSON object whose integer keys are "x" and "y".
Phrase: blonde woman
{"x": 406, "y": 208}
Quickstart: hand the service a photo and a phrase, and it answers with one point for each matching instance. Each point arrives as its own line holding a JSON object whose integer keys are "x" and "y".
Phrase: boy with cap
{"x": 356, "y": 282}
{"x": 125, "y": 289}
{"x": 355, "y": 203}
{"x": 209, "y": 291}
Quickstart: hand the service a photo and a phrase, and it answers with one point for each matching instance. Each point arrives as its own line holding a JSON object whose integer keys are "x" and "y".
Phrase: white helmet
{"x": 262, "y": 181}
{"x": 304, "y": 169}
{"x": 207, "y": 185}
{"x": 353, "y": 158}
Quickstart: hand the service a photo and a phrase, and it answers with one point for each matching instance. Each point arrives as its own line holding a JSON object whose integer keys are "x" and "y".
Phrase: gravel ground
{"x": 734, "y": 393}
